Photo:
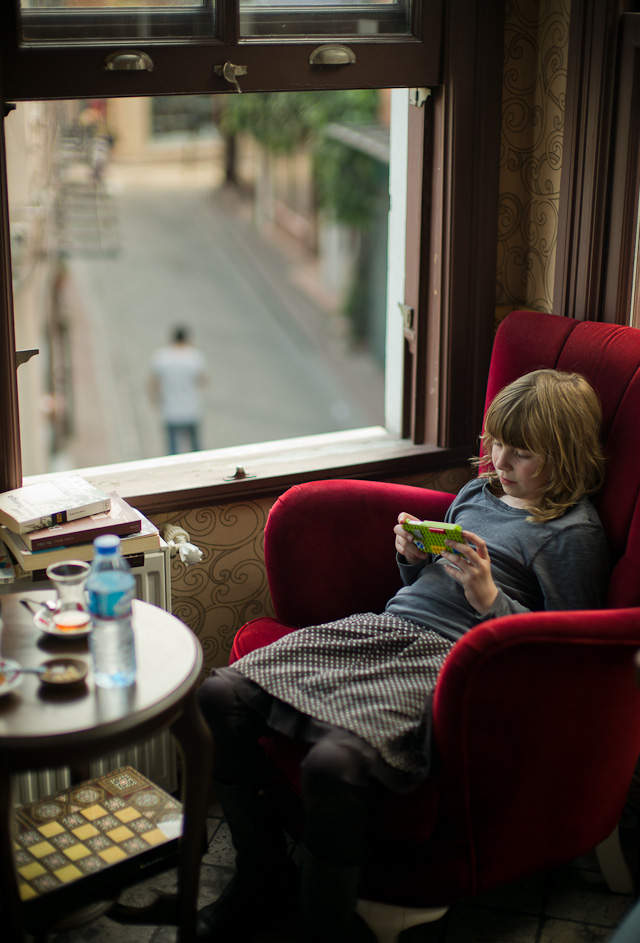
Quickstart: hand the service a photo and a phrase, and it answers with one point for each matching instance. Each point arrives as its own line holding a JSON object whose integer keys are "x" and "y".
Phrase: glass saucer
{"x": 43, "y": 620}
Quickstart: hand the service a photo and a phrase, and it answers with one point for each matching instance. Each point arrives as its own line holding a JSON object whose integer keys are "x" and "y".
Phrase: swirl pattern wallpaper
{"x": 533, "y": 105}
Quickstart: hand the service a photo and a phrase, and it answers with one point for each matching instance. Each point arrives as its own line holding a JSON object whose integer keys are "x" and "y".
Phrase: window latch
{"x": 230, "y": 72}
{"x": 407, "y": 316}
{"x": 418, "y": 96}
{"x": 23, "y": 356}
{"x": 408, "y": 323}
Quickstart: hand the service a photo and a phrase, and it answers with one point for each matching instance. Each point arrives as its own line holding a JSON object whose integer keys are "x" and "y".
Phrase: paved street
{"x": 189, "y": 254}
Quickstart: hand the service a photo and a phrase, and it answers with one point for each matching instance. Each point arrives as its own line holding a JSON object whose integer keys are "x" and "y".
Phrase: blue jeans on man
{"x": 180, "y": 434}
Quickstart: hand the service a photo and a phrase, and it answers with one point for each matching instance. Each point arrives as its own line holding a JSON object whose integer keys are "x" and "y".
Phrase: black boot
{"x": 264, "y": 885}
{"x": 327, "y": 902}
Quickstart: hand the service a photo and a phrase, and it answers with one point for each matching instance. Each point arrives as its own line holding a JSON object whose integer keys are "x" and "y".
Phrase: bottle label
{"x": 110, "y": 605}
{"x": 110, "y": 595}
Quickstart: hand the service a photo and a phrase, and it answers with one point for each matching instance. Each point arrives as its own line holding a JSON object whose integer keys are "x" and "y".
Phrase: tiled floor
{"x": 570, "y": 904}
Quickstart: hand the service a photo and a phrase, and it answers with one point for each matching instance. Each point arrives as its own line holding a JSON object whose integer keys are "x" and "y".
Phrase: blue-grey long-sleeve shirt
{"x": 558, "y": 564}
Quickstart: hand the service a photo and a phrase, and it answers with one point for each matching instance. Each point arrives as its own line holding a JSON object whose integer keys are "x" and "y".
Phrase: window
{"x": 131, "y": 218}
{"x": 453, "y": 138}
{"x": 138, "y": 48}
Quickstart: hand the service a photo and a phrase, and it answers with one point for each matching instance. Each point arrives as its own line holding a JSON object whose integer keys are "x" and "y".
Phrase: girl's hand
{"x": 404, "y": 541}
{"x": 473, "y": 570}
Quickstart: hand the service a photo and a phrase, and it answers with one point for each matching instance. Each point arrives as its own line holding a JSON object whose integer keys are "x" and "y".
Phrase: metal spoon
{"x": 22, "y": 671}
{"x": 34, "y": 606}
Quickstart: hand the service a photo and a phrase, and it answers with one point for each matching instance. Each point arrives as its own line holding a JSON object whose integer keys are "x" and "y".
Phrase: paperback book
{"x": 51, "y": 502}
{"x": 7, "y": 572}
{"x": 147, "y": 540}
{"x": 120, "y": 519}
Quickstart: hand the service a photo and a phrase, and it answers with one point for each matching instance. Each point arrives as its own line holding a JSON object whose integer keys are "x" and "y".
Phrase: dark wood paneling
{"x": 625, "y": 180}
{"x": 474, "y": 41}
{"x": 420, "y": 413}
{"x": 584, "y": 224}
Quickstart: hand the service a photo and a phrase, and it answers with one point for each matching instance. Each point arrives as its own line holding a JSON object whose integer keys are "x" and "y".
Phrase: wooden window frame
{"x": 10, "y": 448}
{"x": 51, "y": 69}
{"x": 452, "y": 225}
{"x": 624, "y": 192}
{"x": 451, "y": 259}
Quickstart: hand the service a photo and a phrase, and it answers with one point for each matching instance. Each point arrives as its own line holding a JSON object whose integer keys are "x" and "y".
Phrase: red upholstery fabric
{"x": 350, "y": 521}
{"x": 551, "y": 699}
{"x": 609, "y": 357}
{"x": 537, "y": 716}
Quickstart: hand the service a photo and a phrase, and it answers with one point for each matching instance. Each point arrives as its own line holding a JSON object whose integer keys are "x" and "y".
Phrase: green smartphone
{"x": 430, "y": 536}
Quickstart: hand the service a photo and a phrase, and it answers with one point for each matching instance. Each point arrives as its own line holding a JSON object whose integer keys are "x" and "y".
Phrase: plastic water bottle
{"x": 110, "y": 589}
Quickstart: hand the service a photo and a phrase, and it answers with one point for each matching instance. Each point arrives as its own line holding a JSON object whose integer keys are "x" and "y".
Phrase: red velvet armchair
{"x": 536, "y": 716}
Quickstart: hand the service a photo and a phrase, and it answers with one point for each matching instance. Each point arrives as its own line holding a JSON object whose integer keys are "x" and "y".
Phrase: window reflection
{"x": 63, "y": 20}
{"x": 61, "y": 5}
{"x": 324, "y": 19}
{"x": 78, "y": 20}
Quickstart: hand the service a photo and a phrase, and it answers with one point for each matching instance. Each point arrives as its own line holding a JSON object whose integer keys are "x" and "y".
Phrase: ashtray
{"x": 63, "y": 672}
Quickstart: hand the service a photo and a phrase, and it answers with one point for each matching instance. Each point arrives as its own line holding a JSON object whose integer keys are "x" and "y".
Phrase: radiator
{"x": 155, "y": 758}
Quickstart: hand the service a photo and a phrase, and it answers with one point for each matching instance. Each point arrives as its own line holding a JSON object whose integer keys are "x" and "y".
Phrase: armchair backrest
{"x": 608, "y": 355}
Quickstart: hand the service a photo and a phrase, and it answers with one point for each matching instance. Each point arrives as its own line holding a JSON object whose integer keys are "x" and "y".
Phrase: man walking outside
{"x": 178, "y": 373}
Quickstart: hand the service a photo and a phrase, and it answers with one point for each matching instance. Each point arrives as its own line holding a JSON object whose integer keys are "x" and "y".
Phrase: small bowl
{"x": 63, "y": 672}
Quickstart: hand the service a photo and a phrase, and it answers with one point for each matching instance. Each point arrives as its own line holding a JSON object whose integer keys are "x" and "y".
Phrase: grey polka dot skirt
{"x": 372, "y": 675}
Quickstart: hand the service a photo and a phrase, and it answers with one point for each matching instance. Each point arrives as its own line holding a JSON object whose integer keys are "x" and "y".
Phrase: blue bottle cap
{"x": 106, "y": 543}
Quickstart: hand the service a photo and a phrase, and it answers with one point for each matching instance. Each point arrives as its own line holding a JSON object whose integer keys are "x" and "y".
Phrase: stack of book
{"x": 59, "y": 520}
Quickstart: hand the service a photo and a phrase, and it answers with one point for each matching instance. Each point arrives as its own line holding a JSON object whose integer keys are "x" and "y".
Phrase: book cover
{"x": 7, "y": 572}
{"x": 145, "y": 541}
{"x": 121, "y": 519}
{"x": 51, "y": 502}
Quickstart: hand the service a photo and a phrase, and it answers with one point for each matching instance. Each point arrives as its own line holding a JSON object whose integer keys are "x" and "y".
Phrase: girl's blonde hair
{"x": 557, "y": 417}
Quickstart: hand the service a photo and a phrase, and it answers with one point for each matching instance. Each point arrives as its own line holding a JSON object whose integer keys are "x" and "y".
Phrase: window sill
{"x": 202, "y": 478}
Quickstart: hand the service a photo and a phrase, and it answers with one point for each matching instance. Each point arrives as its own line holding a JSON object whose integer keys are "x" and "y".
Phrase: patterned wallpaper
{"x": 535, "y": 75}
{"x": 229, "y": 586}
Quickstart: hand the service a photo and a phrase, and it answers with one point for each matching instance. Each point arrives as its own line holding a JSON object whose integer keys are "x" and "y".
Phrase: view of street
{"x": 279, "y": 362}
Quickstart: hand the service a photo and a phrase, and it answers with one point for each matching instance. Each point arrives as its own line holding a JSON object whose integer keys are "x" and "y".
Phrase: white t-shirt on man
{"x": 180, "y": 371}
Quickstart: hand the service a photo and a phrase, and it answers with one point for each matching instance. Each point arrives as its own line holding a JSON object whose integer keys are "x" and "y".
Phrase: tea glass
{"x": 69, "y": 578}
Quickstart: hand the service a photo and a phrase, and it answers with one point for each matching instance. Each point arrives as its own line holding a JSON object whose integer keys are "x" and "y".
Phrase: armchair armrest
{"x": 329, "y": 548}
{"x": 537, "y": 728}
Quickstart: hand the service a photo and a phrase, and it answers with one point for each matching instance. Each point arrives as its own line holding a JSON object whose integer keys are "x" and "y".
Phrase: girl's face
{"x": 520, "y": 476}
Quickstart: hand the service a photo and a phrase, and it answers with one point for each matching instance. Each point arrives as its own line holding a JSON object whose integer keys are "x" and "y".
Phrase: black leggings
{"x": 334, "y": 776}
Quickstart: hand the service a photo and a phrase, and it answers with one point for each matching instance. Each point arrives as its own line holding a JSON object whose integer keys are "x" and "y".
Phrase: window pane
{"x": 65, "y": 20}
{"x": 318, "y": 18}
{"x": 132, "y": 217}
{"x": 62, "y": 5}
